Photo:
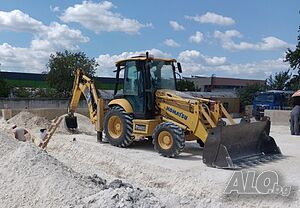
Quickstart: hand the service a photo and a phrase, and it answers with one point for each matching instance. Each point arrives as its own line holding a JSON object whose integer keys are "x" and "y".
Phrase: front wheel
{"x": 118, "y": 127}
{"x": 168, "y": 139}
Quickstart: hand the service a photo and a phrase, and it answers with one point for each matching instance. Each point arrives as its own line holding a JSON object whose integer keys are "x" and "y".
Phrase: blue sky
{"x": 230, "y": 38}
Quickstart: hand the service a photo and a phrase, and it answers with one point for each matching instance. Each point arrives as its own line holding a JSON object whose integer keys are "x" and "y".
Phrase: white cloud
{"x": 256, "y": 70}
{"x": 171, "y": 43}
{"x": 19, "y": 22}
{"x": 197, "y": 38}
{"x": 59, "y": 37}
{"x": 227, "y": 34}
{"x": 98, "y": 17}
{"x": 46, "y": 40}
{"x": 188, "y": 55}
{"x": 271, "y": 42}
{"x": 54, "y": 8}
{"x": 22, "y": 59}
{"x": 107, "y": 62}
{"x": 176, "y": 26}
{"x": 267, "y": 43}
{"x": 193, "y": 56}
{"x": 212, "y": 18}
{"x": 195, "y": 63}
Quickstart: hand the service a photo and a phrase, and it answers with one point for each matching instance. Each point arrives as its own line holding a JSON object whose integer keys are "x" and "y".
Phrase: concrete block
{"x": 49, "y": 113}
{"x": 6, "y": 114}
{"x": 279, "y": 117}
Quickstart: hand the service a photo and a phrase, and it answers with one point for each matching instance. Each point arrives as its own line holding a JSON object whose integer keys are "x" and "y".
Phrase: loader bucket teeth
{"x": 240, "y": 146}
{"x": 71, "y": 122}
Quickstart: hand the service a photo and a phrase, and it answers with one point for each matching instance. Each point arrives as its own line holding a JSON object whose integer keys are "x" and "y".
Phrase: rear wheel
{"x": 168, "y": 139}
{"x": 118, "y": 127}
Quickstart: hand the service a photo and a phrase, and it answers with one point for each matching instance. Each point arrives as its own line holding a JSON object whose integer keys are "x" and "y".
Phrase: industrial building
{"x": 221, "y": 84}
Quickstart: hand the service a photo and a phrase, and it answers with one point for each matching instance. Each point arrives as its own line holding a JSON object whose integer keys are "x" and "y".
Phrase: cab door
{"x": 133, "y": 89}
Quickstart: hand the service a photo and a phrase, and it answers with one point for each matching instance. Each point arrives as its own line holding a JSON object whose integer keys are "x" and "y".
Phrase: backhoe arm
{"x": 84, "y": 85}
{"x": 76, "y": 93}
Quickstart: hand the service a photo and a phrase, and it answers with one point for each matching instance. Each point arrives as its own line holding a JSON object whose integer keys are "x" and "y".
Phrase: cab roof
{"x": 143, "y": 58}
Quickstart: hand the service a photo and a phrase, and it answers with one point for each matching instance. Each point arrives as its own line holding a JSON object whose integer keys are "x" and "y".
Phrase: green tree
{"x": 294, "y": 83}
{"x": 22, "y": 92}
{"x": 247, "y": 93}
{"x": 62, "y": 67}
{"x": 279, "y": 81}
{"x": 293, "y": 57}
{"x": 185, "y": 85}
{"x": 4, "y": 89}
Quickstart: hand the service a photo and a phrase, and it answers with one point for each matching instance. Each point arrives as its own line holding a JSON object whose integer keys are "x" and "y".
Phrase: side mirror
{"x": 179, "y": 67}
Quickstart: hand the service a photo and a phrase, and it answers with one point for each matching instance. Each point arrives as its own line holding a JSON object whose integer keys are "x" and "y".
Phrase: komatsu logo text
{"x": 181, "y": 115}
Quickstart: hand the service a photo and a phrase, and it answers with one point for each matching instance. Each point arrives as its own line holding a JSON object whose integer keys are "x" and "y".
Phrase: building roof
{"x": 224, "y": 81}
{"x": 213, "y": 94}
{"x": 42, "y": 77}
{"x": 22, "y": 76}
{"x": 235, "y": 82}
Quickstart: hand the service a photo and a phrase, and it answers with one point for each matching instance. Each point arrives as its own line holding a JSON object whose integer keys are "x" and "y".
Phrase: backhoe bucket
{"x": 71, "y": 122}
{"x": 240, "y": 146}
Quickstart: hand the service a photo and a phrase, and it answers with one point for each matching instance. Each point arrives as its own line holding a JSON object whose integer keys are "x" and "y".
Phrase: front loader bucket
{"x": 241, "y": 145}
{"x": 71, "y": 122}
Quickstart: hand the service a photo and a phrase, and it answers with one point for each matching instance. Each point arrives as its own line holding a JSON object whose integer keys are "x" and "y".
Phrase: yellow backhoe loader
{"x": 148, "y": 106}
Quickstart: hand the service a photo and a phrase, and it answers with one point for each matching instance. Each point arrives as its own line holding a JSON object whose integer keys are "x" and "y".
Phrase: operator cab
{"x": 141, "y": 76}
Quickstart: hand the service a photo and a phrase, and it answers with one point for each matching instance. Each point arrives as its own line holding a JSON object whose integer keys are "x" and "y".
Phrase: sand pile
{"x": 32, "y": 122}
{"x": 85, "y": 126}
{"x": 29, "y": 177}
{"x": 29, "y": 121}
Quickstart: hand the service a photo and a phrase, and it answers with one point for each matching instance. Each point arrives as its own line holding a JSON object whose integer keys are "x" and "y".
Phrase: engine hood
{"x": 175, "y": 94}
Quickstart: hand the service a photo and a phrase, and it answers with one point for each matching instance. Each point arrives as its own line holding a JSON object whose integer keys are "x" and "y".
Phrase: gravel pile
{"x": 85, "y": 126}
{"x": 29, "y": 121}
{"x": 29, "y": 177}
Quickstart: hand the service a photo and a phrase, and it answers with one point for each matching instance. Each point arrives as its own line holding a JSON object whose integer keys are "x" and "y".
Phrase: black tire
{"x": 177, "y": 137}
{"x": 150, "y": 139}
{"x": 125, "y": 138}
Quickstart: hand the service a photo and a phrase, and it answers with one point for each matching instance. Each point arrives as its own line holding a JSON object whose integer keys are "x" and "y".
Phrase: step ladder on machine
{"x": 54, "y": 124}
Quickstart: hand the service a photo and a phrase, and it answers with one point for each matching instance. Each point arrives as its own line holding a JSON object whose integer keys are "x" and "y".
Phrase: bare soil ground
{"x": 181, "y": 182}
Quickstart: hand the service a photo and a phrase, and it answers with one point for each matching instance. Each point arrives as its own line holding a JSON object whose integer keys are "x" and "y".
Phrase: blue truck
{"x": 272, "y": 99}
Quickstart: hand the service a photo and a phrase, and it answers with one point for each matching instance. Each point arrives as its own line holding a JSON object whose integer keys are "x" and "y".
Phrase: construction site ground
{"x": 181, "y": 182}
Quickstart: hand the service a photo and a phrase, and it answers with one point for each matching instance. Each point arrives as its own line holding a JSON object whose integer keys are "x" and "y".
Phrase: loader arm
{"x": 84, "y": 85}
{"x": 225, "y": 146}
{"x": 195, "y": 115}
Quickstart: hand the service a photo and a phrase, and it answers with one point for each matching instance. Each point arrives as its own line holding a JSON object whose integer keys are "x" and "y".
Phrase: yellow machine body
{"x": 178, "y": 117}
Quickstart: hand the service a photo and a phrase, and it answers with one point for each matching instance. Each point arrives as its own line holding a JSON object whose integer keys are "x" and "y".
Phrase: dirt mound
{"x": 85, "y": 126}
{"x": 32, "y": 122}
{"x": 29, "y": 121}
{"x": 32, "y": 178}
